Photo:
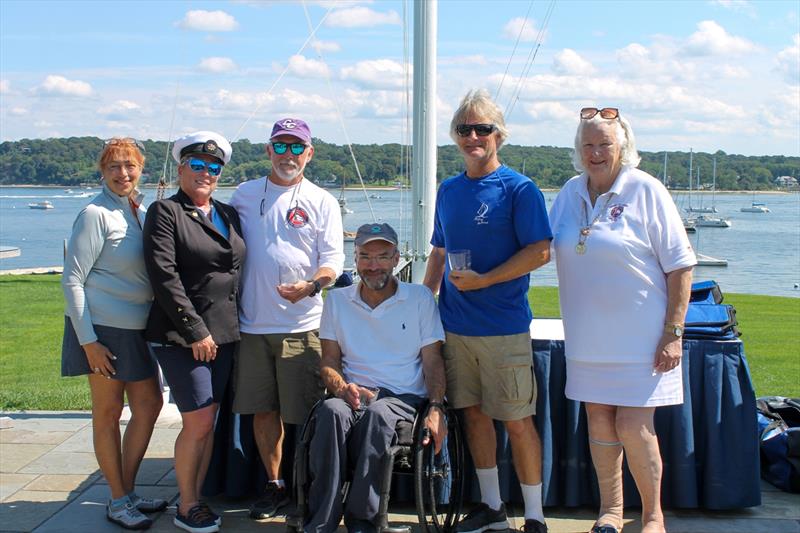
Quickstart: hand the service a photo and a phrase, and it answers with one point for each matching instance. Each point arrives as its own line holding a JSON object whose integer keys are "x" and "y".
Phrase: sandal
{"x": 604, "y": 529}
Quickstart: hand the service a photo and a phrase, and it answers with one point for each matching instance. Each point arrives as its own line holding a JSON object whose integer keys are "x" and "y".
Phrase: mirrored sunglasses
{"x": 607, "y": 113}
{"x": 296, "y": 148}
{"x": 123, "y": 140}
{"x": 481, "y": 130}
{"x": 198, "y": 165}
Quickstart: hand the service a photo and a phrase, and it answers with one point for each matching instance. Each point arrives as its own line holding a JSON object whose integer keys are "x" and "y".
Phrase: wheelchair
{"x": 437, "y": 479}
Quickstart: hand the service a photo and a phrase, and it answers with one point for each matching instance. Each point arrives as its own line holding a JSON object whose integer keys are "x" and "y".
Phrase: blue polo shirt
{"x": 494, "y": 216}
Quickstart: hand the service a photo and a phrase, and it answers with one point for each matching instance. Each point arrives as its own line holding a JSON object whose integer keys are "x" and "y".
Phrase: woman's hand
{"x": 668, "y": 353}
{"x": 204, "y": 349}
{"x": 100, "y": 358}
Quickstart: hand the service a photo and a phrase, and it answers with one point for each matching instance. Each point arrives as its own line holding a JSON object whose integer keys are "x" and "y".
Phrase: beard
{"x": 287, "y": 175}
{"x": 376, "y": 282}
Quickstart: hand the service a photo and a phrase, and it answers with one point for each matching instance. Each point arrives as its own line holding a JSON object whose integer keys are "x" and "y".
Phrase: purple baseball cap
{"x": 292, "y": 126}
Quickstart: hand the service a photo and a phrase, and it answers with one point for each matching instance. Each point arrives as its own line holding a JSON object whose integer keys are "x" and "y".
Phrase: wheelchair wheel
{"x": 438, "y": 479}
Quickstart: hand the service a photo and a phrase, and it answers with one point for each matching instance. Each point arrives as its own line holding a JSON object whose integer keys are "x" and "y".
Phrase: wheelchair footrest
{"x": 396, "y": 529}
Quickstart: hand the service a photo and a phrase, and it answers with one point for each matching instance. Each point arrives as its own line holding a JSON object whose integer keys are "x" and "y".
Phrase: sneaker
{"x": 275, "y": 498}
{"x": 149, "y": 505}
{"x": 217, "y": 518}
{"x": 197, "y": 520}
{"x": 128, "y": 517}
{"x": 533, "y": 526}
{"x": 482, "y": 518}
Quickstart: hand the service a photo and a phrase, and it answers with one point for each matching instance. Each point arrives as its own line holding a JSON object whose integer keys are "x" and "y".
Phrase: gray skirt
{"x": 134, "y": 359}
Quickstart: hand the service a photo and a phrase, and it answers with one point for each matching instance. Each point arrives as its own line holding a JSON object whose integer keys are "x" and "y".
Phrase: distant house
{"x": 787, "y": 182}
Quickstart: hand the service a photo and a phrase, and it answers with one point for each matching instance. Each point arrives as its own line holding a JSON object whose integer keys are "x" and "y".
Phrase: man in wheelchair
{"x": 381, "y": 358}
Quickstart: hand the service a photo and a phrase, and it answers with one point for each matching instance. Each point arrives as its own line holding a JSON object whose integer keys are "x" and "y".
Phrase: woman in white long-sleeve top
{"x": 108, "y": 298}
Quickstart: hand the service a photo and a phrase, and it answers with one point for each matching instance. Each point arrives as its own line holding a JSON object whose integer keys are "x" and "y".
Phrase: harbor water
{"x": 762, "y": 249}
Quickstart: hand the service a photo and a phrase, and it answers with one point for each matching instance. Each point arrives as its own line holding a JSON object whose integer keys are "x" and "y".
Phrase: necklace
{"x": 586, "y": 229}
{"x": 292, "y": 210}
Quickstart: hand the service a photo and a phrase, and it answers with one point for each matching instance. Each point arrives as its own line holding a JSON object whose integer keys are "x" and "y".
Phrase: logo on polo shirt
{"x": 480, "y": 217}
{"x": 297, "y": 217}
{"x": 615, "y": 211}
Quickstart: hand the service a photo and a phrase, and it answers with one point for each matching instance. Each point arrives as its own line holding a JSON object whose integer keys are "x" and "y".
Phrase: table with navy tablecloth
{"x": 709, "y": 444}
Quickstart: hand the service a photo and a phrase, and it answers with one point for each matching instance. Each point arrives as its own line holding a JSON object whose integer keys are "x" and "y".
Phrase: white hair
{"x": 629, "y": 157}
{"x": 480, "y": 103}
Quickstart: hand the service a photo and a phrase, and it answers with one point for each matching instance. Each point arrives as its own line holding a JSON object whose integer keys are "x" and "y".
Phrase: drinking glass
{"x": 288, "y": 275}
{"x": 460, "y": 259}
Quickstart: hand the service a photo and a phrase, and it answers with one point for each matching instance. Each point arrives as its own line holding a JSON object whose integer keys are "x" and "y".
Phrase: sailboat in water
{"x": 706, "y": 220}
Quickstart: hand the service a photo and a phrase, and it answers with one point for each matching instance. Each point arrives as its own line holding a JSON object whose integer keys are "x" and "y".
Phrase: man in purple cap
{"x": 290, "y": 226}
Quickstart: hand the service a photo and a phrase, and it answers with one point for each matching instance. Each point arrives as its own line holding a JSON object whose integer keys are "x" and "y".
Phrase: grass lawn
{"x": 31, "y": 324}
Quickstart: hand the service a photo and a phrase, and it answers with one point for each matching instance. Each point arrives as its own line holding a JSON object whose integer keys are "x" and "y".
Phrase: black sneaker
{"x": 217, "y": 518}
{"x": 483, "y": 518}
{"x": 534, "y": 526}
{"x": 197, "y": 520}
{"x": 267, "y": 507}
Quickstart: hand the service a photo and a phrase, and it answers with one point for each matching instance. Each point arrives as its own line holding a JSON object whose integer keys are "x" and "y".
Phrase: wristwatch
{"x": 675, "y": 329}
{"x": 317, "y": 287}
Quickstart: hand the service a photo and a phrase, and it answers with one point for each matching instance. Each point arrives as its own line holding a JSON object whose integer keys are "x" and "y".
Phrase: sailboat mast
{"x": 690, "y": 178}
{"x": 423, "y": 173}
{"x": 664, "y": 177}
{"x": 714, "y": 186}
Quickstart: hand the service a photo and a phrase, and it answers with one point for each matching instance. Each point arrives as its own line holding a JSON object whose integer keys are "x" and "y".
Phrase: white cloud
{"x": 217, "y": 64}
{"x": 380, "y": 104}
{"x": 375, "y": 74}
{"x": 516, "y": 25}
{"x": 61, "y": 86}
{"x": 477, "y": 59}
{"x": 18, "y": 111}
{"x": 303, "y": 67}
{"x": 788, "y": 61}
{"x": 5, "y": 87}
{"x": 325, "y": 46}
{"x": 359, "y": 17}
{"x": 200, "y": 20}
{"x": 551, "y": 111}
{"x": 568, "y": 61}
{"x": 731, "y": 72}
{"x": 738, "y": 6}
{"x": 712, "y": 39}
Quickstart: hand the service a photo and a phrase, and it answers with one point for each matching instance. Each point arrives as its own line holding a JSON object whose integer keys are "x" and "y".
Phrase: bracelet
{"x": 438, "y": 405}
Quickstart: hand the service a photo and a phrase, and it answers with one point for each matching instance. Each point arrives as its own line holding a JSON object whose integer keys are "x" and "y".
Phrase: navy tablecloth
{"x": 709, "y": 444}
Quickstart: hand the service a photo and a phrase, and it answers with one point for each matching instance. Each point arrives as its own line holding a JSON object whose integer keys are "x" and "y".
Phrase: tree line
{"x": 73, "y": 161}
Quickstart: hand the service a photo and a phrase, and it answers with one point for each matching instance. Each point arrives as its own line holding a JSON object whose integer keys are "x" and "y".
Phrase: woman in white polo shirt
{"x": 624, "y": 271}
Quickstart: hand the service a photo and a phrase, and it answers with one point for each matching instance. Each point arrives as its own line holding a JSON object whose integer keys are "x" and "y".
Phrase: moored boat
{"x": 755, "y": 207}
{"x": 47, "y": 204}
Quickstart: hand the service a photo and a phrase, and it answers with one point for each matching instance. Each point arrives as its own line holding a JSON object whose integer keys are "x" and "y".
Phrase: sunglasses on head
{"x": 296, "y": 148}
{"x": 124, "y": 140}
{"x": 481, "y": 130}
{"x": 607, "y": 113}
{"x": 198, "y": 165}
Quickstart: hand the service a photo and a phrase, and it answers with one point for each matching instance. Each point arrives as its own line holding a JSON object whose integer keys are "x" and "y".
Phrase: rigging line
{"x": 514, "y": 51}
{"x": 531, "y": 59}
{"x": 339, "y": 115}
{"x": 405, "y": 127}
{"x": 282, "y": 74}
{"x": 162, "y": 182}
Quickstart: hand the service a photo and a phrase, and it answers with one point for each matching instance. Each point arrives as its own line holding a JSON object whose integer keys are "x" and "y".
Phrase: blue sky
{"x": 708, "y": 75}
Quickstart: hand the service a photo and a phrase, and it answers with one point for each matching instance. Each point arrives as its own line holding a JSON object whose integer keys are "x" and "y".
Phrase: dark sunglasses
{"x": 198, "y": 165}
{"x": 481, "y": 130}
{"x": 296, "y": 148}
{"x": 607, "y": 113}
{"x": 126, "y": 140}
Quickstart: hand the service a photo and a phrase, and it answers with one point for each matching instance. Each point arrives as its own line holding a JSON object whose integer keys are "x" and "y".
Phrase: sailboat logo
{"x": 480, "y": 217}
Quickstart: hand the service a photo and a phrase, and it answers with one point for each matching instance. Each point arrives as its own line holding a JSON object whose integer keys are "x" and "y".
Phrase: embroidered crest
{"x": 616, "y": 211}
{"x": 297, "y": 217}
{"x": 210, "y": 147}
{"x": 289, "y": 124}
{"x": 480, "y": 216}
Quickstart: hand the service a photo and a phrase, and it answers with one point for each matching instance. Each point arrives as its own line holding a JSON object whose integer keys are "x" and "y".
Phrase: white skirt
{"x": 623, "y": 384}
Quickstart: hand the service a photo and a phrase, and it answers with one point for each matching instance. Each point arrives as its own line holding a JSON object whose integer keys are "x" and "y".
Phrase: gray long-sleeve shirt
{"x": 104, "y": 279}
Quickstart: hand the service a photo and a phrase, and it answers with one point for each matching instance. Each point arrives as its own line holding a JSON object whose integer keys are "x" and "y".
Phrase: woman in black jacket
{"x": 193, "y": 253}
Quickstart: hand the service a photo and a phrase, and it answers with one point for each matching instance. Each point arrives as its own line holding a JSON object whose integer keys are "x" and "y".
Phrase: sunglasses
{"x": 607, "y": 113}
{"x": 296, "y": 148}
{"x": 126, "y": 140}
{"x": 481, "y": 130}
{"x": 198, "y": 165}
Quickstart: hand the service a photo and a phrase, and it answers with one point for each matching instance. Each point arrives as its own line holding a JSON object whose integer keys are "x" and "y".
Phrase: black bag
{"x": 779, "y": 434}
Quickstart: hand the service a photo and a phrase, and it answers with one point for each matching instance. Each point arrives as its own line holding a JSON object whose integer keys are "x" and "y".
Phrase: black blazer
{"x": 194, "y": 271}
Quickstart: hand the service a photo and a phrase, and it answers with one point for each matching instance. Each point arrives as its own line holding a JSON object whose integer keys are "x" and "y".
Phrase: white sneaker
{"x": 149, "y": 505}
{"x": 128, "y": 516}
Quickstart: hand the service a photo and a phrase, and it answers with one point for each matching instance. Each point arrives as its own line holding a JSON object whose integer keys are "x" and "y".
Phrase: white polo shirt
{"x": 614, "y": 296}
{"x": 381, "y": 347}
{"x": 300, "y": 225}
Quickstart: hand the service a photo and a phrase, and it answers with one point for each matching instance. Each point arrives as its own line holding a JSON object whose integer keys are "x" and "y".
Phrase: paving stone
{"x": 169, "y": 479}
{"x": 25, "y": 510}
{"x": 24, "y": 436}
{"x": 11, "y": 483}
{"x": 45, "y": 421}
{"x": 162, "y": 443}
{"x": 62, "y": 482}
{"x": 80, "y": 441}
{"x": 62, "y": 463}
{"x": 14, "y": 457}
{"x": 151, "y": 471}
{"x": 727, "y": 525}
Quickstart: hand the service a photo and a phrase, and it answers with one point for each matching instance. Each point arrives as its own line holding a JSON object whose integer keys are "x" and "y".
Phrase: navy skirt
{"x": 134, "y": 359}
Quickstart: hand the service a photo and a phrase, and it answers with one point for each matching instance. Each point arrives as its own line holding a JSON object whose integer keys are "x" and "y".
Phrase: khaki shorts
{"x": 278, "y": 372}
{"x": 495, "y": 372}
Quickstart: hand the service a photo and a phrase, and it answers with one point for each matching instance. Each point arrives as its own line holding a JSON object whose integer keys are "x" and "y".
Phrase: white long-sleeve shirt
{"x": 309, "y": 239}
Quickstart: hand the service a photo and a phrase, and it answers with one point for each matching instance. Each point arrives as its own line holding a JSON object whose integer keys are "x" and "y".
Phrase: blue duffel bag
{"x": 711, "y": 321}
{"x": 779, "y": 434}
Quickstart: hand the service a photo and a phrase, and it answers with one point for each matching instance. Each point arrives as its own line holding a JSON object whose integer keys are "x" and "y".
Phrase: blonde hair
{"x": 478, "y": 102}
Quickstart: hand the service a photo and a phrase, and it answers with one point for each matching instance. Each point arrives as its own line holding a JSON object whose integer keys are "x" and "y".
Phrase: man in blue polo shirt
{"x": 499, "y": 216}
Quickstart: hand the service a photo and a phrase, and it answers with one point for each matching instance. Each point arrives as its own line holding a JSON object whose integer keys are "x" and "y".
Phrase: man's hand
{"x": 668, "y": 353}
{"x": 296, "y": 292}
{"x": 435, "y": 424}
{"x": 352, "y": 394}
{"x": 467, "y": 280}
{"x": 204, "y": 349}
{"x": 100, "y": 358}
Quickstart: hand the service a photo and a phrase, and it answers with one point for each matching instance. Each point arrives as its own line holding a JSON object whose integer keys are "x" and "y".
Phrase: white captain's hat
{"x": 202, "y": 142}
